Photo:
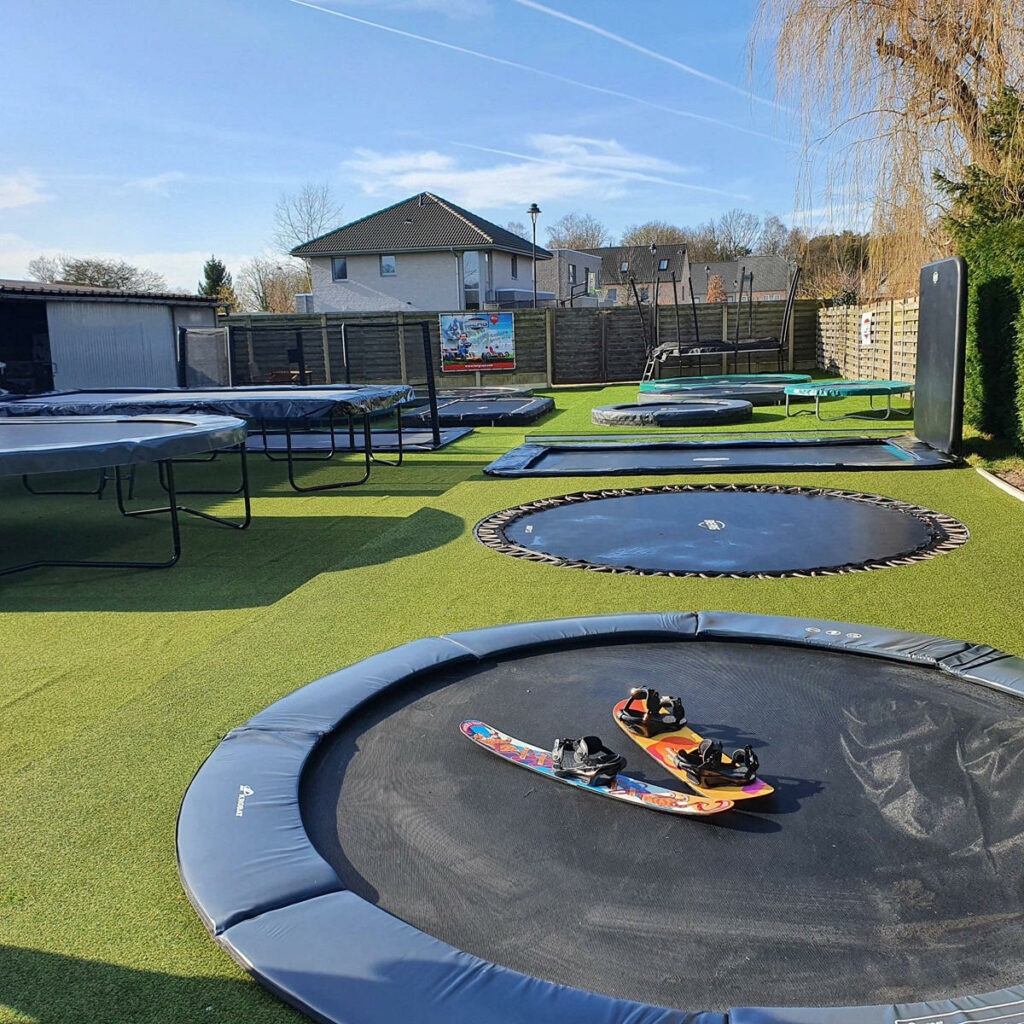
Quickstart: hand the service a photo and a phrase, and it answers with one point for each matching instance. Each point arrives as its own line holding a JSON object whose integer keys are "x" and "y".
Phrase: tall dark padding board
{"x": 941, "y": 343}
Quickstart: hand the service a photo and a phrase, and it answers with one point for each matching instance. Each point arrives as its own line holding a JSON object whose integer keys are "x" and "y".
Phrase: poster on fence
{"x": 477, "y": 341}
{"x": 865, "y": 328}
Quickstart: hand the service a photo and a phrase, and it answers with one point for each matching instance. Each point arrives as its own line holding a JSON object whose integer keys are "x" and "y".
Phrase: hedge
{"x": 994, "y": 384}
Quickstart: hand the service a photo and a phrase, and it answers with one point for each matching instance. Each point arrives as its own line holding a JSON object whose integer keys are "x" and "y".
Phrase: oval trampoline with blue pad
{"x": 852, "y": 389}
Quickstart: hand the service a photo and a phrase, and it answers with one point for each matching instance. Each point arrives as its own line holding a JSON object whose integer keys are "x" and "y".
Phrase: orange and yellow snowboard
{"x": 663, "y": 747}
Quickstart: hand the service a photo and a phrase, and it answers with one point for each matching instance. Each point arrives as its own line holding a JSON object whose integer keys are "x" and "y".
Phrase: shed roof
{"x": 60, "y": 290}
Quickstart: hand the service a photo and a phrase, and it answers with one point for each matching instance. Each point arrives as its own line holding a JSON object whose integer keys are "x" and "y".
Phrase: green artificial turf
{"x": 116, "y": 685}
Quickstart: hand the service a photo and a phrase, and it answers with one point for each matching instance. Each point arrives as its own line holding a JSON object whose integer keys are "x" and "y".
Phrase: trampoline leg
{"x": 97, "y": 490}
{"x": 401, "y": 453}
{"x": 173, "y": 508}
{"x": 367, "y": 462}
{"x": 55, "y": 563}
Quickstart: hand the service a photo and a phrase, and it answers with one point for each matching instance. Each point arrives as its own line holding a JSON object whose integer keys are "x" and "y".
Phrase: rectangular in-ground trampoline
{"x": 938, "y": 418}
{"x": 815, "y": 453}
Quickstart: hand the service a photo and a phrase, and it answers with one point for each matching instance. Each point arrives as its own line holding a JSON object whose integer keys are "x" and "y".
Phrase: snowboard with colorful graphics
{"x": 630, "y": 790}
{"x": 664, "y": 746}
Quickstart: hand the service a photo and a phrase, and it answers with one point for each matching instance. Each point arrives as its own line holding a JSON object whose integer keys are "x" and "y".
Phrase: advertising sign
{"x": 477, "y": 341}
{"x": 865, "y": 328}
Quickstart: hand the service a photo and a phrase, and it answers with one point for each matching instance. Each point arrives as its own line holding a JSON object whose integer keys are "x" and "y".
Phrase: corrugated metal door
{"x": 111, "y": 345}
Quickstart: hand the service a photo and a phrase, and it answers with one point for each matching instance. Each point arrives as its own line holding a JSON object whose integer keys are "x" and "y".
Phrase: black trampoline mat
{"x": 886, "y": 868}
{"x": 639, "y": 459}
{"x": 721, "y": 530}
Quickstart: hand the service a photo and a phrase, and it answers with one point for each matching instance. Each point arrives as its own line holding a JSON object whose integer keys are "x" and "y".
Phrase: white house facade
{"x": 421, "y": 254}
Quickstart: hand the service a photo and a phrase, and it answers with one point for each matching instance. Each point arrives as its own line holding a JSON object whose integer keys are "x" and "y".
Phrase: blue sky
{"x": 160, "y": 132}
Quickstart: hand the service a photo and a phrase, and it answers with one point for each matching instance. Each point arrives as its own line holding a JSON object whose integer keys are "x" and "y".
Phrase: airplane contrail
{"x": 610, "y": 171}
{"x": 538, "y": 71}
{"x": 622, "y": 41}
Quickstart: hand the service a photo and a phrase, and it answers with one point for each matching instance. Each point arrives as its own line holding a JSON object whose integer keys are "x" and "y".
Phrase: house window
{"x": 387, "y": 266}
{"x": 644, "y": 294}
{"x": 663, "y": 264}
{"x": 339, "y": 269}
{"x": 623, "y": 266}
{"x": 515, "y": 267}
{"x": 572, "y": 273}
{"x": 613, "y": 295}
{"x": 588, "y": 280}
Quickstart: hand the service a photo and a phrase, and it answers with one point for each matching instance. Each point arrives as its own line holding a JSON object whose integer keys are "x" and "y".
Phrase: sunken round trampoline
{"x": 688, "y": 412}
{"x": 364, "y": 862}
{"x": 756, "y": 388}
{"x": 735, "y": 530}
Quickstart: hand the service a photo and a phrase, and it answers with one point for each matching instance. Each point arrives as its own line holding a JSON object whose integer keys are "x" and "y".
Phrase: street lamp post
{"x": 533, "y": 211}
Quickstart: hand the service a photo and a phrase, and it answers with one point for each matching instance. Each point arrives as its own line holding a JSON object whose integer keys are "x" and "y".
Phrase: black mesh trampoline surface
{"x": 886, "y": 866}
{"x": 607, "y": 459}
{"x": 740, "y": 530}
{"x": 486, "y": 411}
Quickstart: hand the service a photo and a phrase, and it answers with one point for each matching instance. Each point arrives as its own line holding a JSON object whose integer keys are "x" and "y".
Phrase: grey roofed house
{"x": 640, "y": 265}
{"x": 423, "y": 253}
{"x": 771, "y": 276}
{"x": 421, "y": 223}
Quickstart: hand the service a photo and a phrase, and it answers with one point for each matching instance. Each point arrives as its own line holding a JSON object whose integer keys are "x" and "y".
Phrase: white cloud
{"x": 21, "y": 189}
{"x": 158, "y": 184}
{"x": 559, "y": 168}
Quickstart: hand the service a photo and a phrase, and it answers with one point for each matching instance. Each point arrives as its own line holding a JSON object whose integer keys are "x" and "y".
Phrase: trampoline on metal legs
{"x": 365, "y": 863}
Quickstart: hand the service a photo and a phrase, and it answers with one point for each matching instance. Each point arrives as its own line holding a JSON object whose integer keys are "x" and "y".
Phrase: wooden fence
{"x": 887, "y": 352}
{"x": 553, "y": 346}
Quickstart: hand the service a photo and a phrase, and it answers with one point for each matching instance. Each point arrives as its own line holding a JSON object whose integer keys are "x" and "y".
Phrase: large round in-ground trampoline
{"x": 362, "y": 860}
{"x": 737, "y": 530}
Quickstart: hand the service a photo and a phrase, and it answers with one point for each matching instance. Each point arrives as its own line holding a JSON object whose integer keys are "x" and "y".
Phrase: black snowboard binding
{"x": 587, "y": 759}
{"x": 647, "y": 713}
{"x": 708, "y": 769}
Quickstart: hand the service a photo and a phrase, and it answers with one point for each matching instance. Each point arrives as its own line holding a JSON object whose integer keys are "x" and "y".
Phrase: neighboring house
{"x": 423, "y": 253}
{"x": 572, "y": 276}
{"x": 77, "y": 336}
{"x": 622, "y": 263}
{"x": 769, "y": 275}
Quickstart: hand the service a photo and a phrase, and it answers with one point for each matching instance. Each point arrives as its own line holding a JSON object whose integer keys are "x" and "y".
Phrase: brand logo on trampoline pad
{"x": 243, "y": 792}
{"x": 711, "y": 524}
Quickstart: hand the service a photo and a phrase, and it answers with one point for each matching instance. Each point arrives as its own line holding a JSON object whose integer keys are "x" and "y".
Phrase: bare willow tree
{"x": 891, "y": 92}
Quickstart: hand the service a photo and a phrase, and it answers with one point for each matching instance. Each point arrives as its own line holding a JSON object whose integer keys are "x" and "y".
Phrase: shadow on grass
{"x": 50, "y": 988}
{"x": 219, "y": 568}
{"x": 990, "y": 449}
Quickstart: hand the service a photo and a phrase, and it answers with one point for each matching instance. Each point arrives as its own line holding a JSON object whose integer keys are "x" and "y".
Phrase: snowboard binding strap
{"x": 587, "y": 759}
{"x": 708, "y": 768}
{"x": 647, "y": 713}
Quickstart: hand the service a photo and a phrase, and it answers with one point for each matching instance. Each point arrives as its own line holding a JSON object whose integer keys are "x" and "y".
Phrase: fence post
{"x": 791, "y": 338}
{"x": 549, "y": 343}
{"x": 603, "y": 317}
{"x": 326, "y": 345}
{"x": 250, "y": 349}
{"x": 725, "y": 336}
{"x": 403, "y": 369}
